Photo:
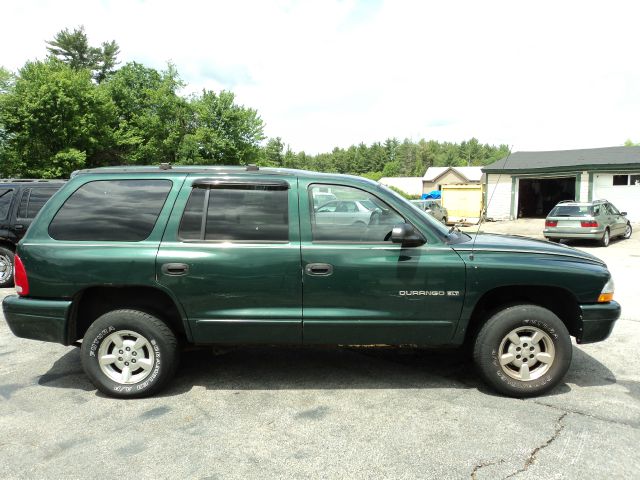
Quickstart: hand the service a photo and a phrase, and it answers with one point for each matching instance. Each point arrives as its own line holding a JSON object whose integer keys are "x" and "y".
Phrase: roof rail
{"x": 600, "y": 200}
{"x": 27, "y": 180}
{"x": 566, "y": 201}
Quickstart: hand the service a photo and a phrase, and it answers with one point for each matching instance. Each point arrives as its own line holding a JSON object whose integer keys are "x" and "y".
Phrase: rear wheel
{"x": 523, "y": 351}
{"x": 128, "y": 353}
{"x": 6, "y": 267}
{"x": 627, "y": 232}
{"x": 606, "y": 237}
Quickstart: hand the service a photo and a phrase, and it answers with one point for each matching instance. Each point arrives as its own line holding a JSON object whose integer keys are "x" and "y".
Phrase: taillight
{"x": 20, "y": 277}
{"x": 551, "y": 223}
{"x": 589, "y": 224}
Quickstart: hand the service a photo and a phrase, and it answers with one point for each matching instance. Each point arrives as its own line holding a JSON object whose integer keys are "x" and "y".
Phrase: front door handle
{"x": 318, "y": 269}
{"x": 175, "y": 269}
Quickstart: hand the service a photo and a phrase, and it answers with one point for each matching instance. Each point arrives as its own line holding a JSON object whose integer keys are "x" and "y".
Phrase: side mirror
{"x": 624, "y": 214}
{"x": 406, "y": 235}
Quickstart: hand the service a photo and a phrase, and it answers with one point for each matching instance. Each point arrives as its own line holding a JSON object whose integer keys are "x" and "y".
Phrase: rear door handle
{"x": 318, "y": 269}
{"x": 175, "y": 269}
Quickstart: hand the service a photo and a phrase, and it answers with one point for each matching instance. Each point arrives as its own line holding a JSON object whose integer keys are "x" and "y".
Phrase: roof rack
{"x": 566, "y": 201}
{"x": 603, "y": 200}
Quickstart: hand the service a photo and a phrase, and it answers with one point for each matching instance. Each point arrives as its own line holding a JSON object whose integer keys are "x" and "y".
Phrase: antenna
{"x": 482, "y": 217}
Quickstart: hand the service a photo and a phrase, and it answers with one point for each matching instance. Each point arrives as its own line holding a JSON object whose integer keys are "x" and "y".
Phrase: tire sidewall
{"x": 487, "y": 354}
{"x": 164, "y": 354}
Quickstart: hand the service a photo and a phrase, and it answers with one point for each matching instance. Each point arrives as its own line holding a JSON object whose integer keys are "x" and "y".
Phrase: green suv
{"x": 133, "y": 262}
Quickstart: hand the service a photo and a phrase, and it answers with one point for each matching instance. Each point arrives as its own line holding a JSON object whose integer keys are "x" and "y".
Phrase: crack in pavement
{"x": 588, "y": 415}
{"x": 534, "y": 453}
{"x": 474, "y": 472}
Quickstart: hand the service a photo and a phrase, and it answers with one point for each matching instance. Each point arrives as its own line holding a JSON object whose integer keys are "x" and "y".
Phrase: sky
{"x": 541, "y": 75}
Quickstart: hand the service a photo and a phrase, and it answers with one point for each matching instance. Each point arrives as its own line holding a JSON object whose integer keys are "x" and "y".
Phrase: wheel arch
{"x": 92, "y": 302}
{"x": 558, "y": 300}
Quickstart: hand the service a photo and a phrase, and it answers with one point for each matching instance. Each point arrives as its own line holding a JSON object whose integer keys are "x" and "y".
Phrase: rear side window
{"x": 6, "y": 194}
{"x": 33, "y": 199}
{"x": 252, "y": 213}
{"x": 111, "y": 210}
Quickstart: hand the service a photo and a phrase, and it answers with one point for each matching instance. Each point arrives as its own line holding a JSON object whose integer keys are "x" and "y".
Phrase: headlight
{"x": 607, "y": 292}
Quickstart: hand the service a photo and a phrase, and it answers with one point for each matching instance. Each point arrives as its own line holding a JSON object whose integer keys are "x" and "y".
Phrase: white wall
{"x": 410, "y": 185}
{"x": 584, "y": 187}
{"x": 626, "y": 198}
{"x": 499, "y": 196}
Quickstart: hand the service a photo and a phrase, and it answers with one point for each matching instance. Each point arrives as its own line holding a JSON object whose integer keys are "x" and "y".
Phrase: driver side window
{"x": 355, "y": 216}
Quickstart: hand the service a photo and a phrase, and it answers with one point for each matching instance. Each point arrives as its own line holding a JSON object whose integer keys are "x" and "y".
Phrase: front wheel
{"x": 627, "y": 232}
{"x": 6, "y": 267}
{"x": 129, "y": 354}
{"x": 523, "y": 351}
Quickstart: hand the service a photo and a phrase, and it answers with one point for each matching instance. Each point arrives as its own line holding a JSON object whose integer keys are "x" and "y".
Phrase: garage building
{"x": 530, "y": 184}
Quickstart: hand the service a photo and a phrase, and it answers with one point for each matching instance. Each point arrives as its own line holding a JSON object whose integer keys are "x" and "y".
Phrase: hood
{"x": 516, "y": 244}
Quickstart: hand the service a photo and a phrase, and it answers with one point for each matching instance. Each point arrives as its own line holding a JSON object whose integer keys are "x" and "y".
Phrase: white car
{"x": 346, "y": 212}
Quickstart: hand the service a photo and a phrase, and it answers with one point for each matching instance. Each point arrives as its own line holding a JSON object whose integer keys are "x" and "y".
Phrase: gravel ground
{"x": 329, "y": 412}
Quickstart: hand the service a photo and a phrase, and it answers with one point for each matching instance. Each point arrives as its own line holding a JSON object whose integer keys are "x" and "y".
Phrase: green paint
{"x": 241, "y": 292}
{"x": 590, "y": 186}
{"x": 578, "y": 185}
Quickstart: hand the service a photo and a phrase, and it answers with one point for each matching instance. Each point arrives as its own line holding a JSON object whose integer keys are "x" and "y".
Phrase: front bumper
{"x": 597, "y": 321}
{"x": 45, "y": 320}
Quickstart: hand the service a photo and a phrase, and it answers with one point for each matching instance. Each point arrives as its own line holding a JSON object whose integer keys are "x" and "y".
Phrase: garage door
{"x": 626, "y": 198}
{"x": 463, "y": 202}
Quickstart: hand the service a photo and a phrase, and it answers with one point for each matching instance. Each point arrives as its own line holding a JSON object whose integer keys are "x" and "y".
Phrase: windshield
{"x": 572, "y": 211}
{"x": 441, "y": 228}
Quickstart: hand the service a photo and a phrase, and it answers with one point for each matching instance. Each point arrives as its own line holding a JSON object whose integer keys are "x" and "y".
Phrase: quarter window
{"x": 111, "y": 210}
{"x": 33, "y": 199}
{"x": 352, "y": 216}
{"x": 247, "y": 213}
{"x": 6, "y": 194}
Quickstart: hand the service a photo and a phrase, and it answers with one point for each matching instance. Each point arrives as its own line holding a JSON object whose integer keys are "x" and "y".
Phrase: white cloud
{"x": 535, "y": 75}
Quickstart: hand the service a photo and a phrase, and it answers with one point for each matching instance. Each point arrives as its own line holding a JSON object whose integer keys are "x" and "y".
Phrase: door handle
{"x": 318, "y": 269}
{"x": 175, "y": 269}
{"x": 18, "y": 226}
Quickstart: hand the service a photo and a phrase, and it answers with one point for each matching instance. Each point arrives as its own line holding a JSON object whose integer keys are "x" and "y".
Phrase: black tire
{"x": 444, "y": 220}
{"x": 526, "y": 319}
{"x": 606, "y": 238}
{"x": 627, "y": 232}
{"x": 6, "y": 267}
{"x": 160, "y": 352}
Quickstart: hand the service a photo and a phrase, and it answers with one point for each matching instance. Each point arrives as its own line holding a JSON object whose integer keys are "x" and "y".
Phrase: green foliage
{"x": 220, "y": 132}
{"x": 73, "y": 49}
{"x": 151, "y": 118}
{"x": 53, "y": 108}
{"x": 629, "y": 143}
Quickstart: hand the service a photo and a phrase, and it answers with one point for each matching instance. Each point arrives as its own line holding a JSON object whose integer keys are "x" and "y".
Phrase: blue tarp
{"x": 435, "y": 194}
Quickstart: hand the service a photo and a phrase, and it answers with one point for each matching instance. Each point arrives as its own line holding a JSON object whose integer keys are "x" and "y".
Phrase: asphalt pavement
{"x": 328, "y": 412}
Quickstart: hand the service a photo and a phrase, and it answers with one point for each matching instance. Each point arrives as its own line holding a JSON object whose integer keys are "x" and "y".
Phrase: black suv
{"x": 20, "y": 201}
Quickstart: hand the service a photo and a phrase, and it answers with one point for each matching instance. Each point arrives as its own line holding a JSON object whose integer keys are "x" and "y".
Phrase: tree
{"x": 73, "y": 49}
{"x": 152, "y": 120}
{"x": 221, "y": 132}
{"x": 55, "y": 120}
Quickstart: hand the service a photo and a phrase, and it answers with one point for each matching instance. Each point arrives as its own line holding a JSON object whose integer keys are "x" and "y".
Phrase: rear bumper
{"x": 45, "y": 320}
{"x": 588, "y": 235}
{"x": 597, "y": 321}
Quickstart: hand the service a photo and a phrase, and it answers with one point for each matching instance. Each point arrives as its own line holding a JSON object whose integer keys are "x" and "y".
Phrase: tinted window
{"x": 240, "y": 214}
{"x": 111, "y": 210}
{"x": 621, "y": 179}
{"x": 343, "y": 221}
{"x": 634, "y": 179}
{"x": 572, "y": 211}
{"x": 6, "y": 194}
{"x": 32, "y": 200}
